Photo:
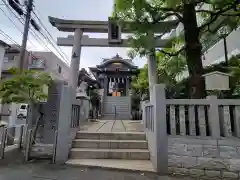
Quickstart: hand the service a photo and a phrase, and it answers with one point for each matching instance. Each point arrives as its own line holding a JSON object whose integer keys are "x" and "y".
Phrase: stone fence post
{"x": 143, "y": 113}
{"x": 160, "y": 158}
{"x": 214, "y": 119}
{"x": 64, "y": 125}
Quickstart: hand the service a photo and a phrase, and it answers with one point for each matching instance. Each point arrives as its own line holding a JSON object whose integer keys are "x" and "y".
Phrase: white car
{"x": 22, "y": 111}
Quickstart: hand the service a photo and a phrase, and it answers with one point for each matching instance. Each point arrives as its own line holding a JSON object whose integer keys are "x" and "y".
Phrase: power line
{"x": 64, "y": 58}
{"x": 9, "y": 38}
{"x": 44, "y": 27}
{"x": 19, "y": 19}
{"x": 40, "y": 41}
{"x": 35, "y": 35}
{"x": 51, "y": 41}
{"x": 14, "y": 22}
{"x": 10, "y": 19}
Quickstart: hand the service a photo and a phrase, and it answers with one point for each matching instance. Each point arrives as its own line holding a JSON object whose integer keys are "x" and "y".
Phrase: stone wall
{"x": 204, "y": 156}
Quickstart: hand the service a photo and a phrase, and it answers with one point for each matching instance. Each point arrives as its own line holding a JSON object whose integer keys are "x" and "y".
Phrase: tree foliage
{"x": 27, "y": 87}
{"x": 168, "y": 71}
{"x": 146, "y": 16}
{"x": 233, "y": 69}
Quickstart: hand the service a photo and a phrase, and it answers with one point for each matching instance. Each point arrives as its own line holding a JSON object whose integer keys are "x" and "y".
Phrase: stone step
{"x": 119, "y": 116}
{"x": 88, "y": 153}
{"x": 132, "y": 165}
{"x": 111, "y": 135}
{"x": 110, "y": 144}
{"x": 118, "y": 104}
{"x": 118, "y": 108}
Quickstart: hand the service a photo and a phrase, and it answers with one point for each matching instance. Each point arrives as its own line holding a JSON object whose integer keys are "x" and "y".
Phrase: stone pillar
{"x": 64, "y": 125}
{"x": 152, "y": 72}
{"x": 105, "y": 92}
{"x": 52, "y": 108}
{"x": 13, "y": 114}
{"x": 214, "y": 118}
{"x": 75, "y": 62}
{"x": 160, "y": 139}
{"x": 105, "y": 86}
{"x": 127, "y": 86}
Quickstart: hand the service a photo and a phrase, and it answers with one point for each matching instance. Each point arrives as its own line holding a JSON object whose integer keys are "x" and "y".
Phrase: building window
{"x": 8, "y": 58}
{"x": 38, "y": 63}
{"x": 59, "y": 69}
{"x": 5, "y": 59}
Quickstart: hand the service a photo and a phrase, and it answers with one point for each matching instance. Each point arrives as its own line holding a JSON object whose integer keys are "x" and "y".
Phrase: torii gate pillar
{"x": 75, "y": 59}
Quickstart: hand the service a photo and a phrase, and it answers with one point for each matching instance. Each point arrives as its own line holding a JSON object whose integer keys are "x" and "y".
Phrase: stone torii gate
{"x": 114, "y": 40}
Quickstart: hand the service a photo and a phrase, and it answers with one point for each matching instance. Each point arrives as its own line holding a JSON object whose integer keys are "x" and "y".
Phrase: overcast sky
{"x": 71, "y": 9}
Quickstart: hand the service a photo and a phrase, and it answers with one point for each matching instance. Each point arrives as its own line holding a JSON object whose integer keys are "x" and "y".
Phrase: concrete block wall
{"x": 204, "y": 156}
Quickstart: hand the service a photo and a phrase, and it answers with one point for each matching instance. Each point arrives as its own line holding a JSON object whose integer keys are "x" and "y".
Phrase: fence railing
{"x": 203, "y": 117}
{"x": 149, "y": 122}
{"x": 198, "y": 117}
{"x": 186, "y": 117}
{"x": 7, "y": 140}
{"x": 75, "y": 115}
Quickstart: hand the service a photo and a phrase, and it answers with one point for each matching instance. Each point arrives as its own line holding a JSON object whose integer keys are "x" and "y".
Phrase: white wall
{"x": 52, "y": 62}
{"x": 216, "y": 53}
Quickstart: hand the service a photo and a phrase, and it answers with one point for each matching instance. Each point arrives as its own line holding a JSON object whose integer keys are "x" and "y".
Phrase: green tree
{"x": 169, "y": 69}
{"x": 146, "y": 14}
{"x": 233, "y": 68}
{"x": 27, "y": 87}
{"x": 94, "y": 100}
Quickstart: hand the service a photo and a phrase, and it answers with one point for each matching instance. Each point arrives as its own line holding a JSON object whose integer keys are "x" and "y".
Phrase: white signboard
{"x": 217, "y": 81}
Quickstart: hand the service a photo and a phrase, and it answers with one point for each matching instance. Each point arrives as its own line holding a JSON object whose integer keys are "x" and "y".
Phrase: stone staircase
{"x": 124, "y": 150}
{"x": 120, "y": 105}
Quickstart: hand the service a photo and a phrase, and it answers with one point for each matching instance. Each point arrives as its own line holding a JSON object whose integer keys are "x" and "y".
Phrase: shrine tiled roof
{"x": 115, "y": 58}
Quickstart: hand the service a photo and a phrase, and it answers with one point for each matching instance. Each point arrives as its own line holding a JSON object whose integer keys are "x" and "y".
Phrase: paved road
{"x": 43, "y": 170}
{"x": 46, "y": 171}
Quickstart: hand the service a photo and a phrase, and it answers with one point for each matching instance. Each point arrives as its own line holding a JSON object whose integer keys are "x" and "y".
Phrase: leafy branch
{"x": 214, "y": 15}
{"x": 176, "y": 53}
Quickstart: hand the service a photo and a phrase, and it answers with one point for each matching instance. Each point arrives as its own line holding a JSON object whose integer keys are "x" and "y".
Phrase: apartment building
{"x": 38, "y": 60}
{"x": 43, "y": 61}
{"x": 11, "y": 60}
{"x": 3, "y": 47}
{"x": 50, "y": 63}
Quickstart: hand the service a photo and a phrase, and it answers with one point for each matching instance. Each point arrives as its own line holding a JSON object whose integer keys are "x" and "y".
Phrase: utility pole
{"x": 25, "y": 34}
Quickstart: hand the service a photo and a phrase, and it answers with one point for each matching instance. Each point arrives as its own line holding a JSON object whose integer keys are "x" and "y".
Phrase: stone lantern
{"x": 217, "y": 81}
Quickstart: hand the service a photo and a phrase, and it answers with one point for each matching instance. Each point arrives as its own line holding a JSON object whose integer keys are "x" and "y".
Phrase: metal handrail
{"x": 115, "y": 111}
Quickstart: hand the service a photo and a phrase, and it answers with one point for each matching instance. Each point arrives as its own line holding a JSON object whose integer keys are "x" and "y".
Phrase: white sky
{"x": 71, "y": 9}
